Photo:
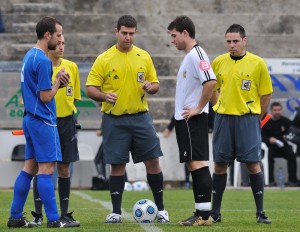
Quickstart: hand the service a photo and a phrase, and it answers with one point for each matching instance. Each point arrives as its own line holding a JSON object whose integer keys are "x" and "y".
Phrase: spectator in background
{"x": 273, "y": 134}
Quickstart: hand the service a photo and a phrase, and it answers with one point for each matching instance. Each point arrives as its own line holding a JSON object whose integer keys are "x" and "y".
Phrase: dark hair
{"x": 182, "y": 23}
{"x": 275, "y": 104}
{"x": 236, "y": 28}
{"x": 127, "y": 21}
{"x": 46, "y": 24}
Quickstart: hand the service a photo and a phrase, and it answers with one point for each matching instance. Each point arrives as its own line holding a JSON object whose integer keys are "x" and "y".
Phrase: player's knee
{"x": 64, "y": 174}
{"x": 254, "y": 167}
{"x": 220, "y": 168}
{"x": 152, "y": 166}
{"x": 63, "y": 170}
{"x": 46, "y": 168}
{"x": 117, "y": 169}
{"x": 31, "y": 167}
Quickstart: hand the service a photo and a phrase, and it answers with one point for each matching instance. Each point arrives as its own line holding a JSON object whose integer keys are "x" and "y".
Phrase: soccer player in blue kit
{"x": 39, "y": 125}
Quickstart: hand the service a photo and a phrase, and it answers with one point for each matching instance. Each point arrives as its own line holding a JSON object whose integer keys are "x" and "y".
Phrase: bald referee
{"x": 120, "y": 78}
{"x": 240, "y": 99}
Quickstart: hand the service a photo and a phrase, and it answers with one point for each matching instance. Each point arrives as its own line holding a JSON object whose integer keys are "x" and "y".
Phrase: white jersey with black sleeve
{"x": 194, "y": 71}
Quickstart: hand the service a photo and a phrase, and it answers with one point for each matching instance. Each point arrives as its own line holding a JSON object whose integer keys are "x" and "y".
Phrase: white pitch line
{"x": 146, "y": 227}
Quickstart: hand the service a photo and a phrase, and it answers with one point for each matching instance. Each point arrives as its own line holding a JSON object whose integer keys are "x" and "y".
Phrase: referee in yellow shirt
{"x": 119, "y": 78}
{"x": 65, "y": 109}
{"x": 240, "y": 99}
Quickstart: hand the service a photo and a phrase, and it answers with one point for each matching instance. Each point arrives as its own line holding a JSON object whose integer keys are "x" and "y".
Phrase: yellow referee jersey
{"x": 123, "y": 73}
{"x": 241, "y": 83}
{"x": 65, "y": 97}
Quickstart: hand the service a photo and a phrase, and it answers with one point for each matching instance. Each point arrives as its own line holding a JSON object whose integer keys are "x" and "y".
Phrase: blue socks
{"x": 21, "y": 189}
{"x": 45, "y": 189}
{"x": 47, "y": 194}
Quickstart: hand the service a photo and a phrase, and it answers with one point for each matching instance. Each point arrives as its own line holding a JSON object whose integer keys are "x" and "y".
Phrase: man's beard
{"x": 51, "y": 46}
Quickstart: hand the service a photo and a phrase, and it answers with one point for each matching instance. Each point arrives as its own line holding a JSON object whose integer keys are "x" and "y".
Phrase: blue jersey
{"x": 36, "y": 76}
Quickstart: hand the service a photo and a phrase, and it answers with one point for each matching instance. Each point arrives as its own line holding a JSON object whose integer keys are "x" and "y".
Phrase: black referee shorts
{"x": 68, "y": 139}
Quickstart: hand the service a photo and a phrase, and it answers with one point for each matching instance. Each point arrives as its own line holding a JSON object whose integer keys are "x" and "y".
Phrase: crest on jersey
{"x": 204, "y": 65}
{"x": 246, "y": 85}
{"x": 140, "y": 77}
{"x": 69, "y": 90}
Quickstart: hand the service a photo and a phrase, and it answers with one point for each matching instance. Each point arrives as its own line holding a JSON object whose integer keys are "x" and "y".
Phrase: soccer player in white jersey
{"x": 194, "y": 88}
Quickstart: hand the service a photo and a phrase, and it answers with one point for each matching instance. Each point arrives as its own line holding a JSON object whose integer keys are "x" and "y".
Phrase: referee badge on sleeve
{"x": 246, "y": 85}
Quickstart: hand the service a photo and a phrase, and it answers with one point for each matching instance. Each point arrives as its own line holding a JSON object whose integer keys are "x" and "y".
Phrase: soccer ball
{"x": 128, "y": 187}
{"x": 144, "y": 211}
{"x": 140, "y": 186}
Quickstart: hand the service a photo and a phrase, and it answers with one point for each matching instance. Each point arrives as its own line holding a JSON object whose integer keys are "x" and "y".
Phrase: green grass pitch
{"x": 238, "y": 211}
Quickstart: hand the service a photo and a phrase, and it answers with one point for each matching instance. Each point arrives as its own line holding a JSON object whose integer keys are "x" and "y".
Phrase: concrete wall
{"x": 271, "y": 25}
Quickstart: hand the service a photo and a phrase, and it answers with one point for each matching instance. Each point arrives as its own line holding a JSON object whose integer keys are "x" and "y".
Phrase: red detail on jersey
{"x": 204, "y": 65}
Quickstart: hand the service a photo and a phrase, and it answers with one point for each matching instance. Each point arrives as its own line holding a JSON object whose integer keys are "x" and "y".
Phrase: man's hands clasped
{"x": 62, "y": 79}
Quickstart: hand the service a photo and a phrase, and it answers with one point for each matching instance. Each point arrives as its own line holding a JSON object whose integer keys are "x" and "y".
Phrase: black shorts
{"x": 68, "y": 139}
{"x": 192, "y": 138}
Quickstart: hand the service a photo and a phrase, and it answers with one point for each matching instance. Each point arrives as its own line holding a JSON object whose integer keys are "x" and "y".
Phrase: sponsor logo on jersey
{"x": 204, "y": 65}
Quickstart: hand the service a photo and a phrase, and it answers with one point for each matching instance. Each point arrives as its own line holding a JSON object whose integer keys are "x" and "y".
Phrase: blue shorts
{"x": 129, "y": 133}
{"x": 42, "y": 140}
{"x": 237, "y": 137}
